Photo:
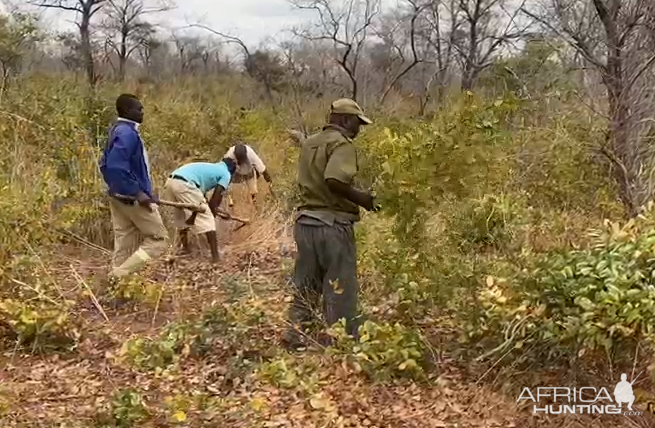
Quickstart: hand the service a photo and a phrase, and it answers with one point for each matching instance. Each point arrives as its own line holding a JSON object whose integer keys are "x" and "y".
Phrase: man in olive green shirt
{"x": 326, "y": 263}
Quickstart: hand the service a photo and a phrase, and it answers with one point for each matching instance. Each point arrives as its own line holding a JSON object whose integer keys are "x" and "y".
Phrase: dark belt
{"x": 177, "y": 177}
{"x": 124, "y": 201}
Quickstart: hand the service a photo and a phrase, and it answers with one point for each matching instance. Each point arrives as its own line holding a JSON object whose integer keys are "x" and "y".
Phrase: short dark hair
{"x": 124, "y": 102}
{"x": 231, "y": 165}
{"x": 240, "y": 150}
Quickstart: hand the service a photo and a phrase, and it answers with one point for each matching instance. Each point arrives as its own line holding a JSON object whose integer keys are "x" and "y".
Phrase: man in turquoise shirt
{"x": 189, "y": 184}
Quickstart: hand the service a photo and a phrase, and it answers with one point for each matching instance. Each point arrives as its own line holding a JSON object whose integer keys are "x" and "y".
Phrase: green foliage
{"x": 533, "y": 71}
{"x": 578, "y": 301}
{"x": 127, "y": 410}
{"x": 136, "y": 289}
{"x": 21, "y": 228}
{"x": 265, "y": 67}
{"x": 149, "y": 354}
{"x": 39, "y": 324}
{"x": 414, "y": 298}
{"x": 490, "y": 221}
{"x": 553, "y": 166}
{"x": 384, "y": 351}
{"x": 290, "y": 373}
{"x": 445, "y": 158}
{"x": 191, "y": 338}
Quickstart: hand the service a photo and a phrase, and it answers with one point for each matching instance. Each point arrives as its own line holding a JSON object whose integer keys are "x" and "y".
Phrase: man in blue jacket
{"x": 125, "y": 168}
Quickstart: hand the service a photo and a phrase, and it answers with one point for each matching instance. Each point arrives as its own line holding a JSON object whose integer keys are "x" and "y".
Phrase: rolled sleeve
{"x": 342, "y": 164}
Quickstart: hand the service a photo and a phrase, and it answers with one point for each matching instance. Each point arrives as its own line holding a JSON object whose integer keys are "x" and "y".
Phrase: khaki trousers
{"x": 251, "y": 182}
{"x": 181, "y": 191}
{"x": 130, "y": 221}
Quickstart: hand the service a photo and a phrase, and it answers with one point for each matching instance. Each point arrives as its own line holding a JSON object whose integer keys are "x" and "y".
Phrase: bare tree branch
{"x": 226, "y": 37}
{"x": 345, "y": 24}
{"x": 126, "y": 28}
{"x": 416, "y": 59}
{"x": 86, "y": 10}
{"x": 614, "y": 37}
{"x": 484, "y": 35}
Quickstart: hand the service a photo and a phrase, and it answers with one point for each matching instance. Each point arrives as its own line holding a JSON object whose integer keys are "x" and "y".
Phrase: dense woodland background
{"x": 511, "y": 151}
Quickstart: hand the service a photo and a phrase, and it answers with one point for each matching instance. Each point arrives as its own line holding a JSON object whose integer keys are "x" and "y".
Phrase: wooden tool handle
{"x": 191, "y": 207}
{"x": 227, "y": 216}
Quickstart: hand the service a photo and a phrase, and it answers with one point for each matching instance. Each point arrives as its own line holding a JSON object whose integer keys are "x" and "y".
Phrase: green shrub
{"x": 578, "y": 301}
{"x": 127, "y": 410}
{"x": 384, "y": 351}
{"x": 488, "y": 222}
{"x": 39, "y": 324}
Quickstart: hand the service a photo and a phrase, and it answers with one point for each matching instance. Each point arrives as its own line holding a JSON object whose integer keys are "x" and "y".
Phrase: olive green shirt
{"x": 327, "y": 155}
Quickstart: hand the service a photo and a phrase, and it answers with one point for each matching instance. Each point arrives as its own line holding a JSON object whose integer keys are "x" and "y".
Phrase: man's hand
{"x": 214, "y": 209}
{"x": 192, "y": 219}
{"x": 371, "y": 204}
{"x": 376, "y": 206}
{"x": 145, "y": 201}
{"x": 362, "y": 198}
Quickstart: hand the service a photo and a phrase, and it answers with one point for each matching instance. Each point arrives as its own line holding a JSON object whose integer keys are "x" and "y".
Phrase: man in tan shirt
{"x": 249, "y": 167}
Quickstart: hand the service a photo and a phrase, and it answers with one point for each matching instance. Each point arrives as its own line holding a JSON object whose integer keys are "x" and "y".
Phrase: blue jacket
{"x": 123, "y": 163}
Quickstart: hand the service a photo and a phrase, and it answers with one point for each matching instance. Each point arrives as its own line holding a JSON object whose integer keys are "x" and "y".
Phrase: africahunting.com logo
{"x": 583, "y": 400}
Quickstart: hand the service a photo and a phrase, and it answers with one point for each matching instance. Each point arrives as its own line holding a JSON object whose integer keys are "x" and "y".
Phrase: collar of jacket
{"x": 136, "y": 124}
{"x": 338, "y": 128}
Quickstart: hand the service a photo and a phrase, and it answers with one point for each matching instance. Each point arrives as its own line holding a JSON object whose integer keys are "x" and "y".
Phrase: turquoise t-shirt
{"x": 205, "y": 175}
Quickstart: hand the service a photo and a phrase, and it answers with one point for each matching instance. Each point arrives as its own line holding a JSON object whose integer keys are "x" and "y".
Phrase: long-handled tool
{"x": 194, "y": 208}
{"x": 190, "y": 207}
{"x": 227, "y": 216}
{"x": 222, "y": 214}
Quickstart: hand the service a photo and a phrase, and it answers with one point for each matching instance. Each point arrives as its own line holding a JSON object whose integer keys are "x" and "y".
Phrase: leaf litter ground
{"x": 220, "y": 388}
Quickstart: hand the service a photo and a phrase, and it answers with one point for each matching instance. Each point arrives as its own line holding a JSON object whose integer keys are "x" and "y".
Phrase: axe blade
{"x": 239, "y": 227}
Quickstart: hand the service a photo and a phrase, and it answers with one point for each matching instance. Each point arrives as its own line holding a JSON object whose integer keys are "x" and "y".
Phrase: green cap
{"x": 348, "y": 106}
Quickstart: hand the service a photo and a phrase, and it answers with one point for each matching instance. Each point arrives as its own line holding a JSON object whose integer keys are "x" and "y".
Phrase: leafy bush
{"x": 384, "y": 351}
{"x": 573, "y": 302}
{"x": 288, "y": 372}
{"x": 136, "y": 289}
{"x": 126, "y": 410}
{"x": 488, "y": 222}
{"x": 185, "y": 338}
{"x": 149, "y": 353}
{"x": 39, "y": 324}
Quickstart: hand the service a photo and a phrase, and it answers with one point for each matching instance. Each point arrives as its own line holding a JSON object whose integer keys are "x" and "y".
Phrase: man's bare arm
{"x": 363, "y": 199}
{"x": 216, "y": 199}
